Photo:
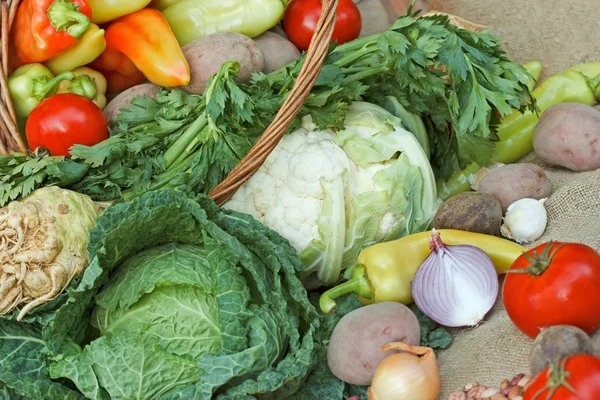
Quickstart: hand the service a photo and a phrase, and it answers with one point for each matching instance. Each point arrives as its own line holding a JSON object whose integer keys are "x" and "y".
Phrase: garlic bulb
{"x": 525, "y": 220}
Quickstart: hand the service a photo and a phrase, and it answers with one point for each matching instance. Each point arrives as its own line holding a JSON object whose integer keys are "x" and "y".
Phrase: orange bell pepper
{"x": 45, "y": 28}
{"x": 140, "y": 45}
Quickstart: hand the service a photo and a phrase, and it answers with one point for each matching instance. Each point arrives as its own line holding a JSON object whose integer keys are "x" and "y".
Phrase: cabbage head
{"x": 331, "y": 194}
{"x": 181, "y": 300}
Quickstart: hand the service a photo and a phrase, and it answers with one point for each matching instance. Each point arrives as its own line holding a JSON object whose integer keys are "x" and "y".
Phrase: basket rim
{"x": 11, "y": 140}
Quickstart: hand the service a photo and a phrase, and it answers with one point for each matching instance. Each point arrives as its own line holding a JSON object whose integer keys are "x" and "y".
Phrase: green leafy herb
{"x": 457, "y": 81}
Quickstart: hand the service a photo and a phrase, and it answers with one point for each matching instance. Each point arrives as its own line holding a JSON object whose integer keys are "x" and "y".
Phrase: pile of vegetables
{"x": 331, "y": 194}
{"x": 121, "y": 279}
{"x": 209, "y": 305}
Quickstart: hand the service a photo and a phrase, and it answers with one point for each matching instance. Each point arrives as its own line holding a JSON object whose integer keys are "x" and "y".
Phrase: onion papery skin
{"x": 455, "y": 286}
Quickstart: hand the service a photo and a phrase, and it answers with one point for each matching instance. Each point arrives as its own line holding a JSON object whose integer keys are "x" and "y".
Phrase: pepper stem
{"x": 539, "y": 263}
{"x": 358, "y": 283}
{"x": 43, "y": 86}
{"x": 557, "y": 377}
{"x": 83, "y": 86}
{"x": 64, "y": 16}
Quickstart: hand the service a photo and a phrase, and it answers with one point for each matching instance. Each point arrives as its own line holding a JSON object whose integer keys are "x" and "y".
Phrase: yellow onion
{"x": 412, "y": 374}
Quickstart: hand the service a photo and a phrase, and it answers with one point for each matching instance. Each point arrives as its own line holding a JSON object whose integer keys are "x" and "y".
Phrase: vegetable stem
{"x": 364, "y": 74}
{"x": 353, "y": 56}
{"x": 357, "y": 44}
{"x": 359, "y": 284}
{"x": 161, "y": 180}
{"x": 539, "y": 262}
{"x": 175, "y": 151}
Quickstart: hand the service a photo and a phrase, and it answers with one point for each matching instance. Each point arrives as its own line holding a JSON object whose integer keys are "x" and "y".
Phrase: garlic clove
{"x": 525, "y": 220}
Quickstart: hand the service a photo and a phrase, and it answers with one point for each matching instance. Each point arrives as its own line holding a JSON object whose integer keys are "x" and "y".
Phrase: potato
{"x": 513, "y": 182}
{"x": 278, "y": 51}
{"x": 558, "y": 342}
{"x": 568, "y": 135}
{"x": 354, "y": 350}
{"x": 470, "y": 211}
{"x": 124, "y": 99}
{"x": 206, "y": 55}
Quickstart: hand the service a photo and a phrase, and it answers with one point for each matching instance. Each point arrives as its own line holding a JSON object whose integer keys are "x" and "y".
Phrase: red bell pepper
{"x": 140, "y": 45}
{"x": 45, "y": 28}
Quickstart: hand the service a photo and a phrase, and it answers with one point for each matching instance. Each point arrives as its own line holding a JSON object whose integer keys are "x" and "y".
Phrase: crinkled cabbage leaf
{"x": 182, "y": 300}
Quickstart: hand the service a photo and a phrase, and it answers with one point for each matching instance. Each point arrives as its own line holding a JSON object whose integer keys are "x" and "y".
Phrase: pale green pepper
{"x": 31, "y": 84}
{"x": 193, "y": 19}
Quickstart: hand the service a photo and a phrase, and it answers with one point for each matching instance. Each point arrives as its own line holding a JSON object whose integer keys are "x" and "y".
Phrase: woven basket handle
{"x": 267, "y": 142}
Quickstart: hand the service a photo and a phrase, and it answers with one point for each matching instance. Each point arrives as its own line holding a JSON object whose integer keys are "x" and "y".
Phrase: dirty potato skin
{"x": 472, "y": 212}
{"x": 568, "y": 135}
{"x": 354, "y": 351}
{"x": 509, "y": 183}
{"x": 278, "y": 51}
{"x": 560, "y": 341}
{"x": 206, "y": 55}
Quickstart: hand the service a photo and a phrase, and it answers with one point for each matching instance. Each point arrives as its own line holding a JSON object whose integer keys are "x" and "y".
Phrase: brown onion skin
{"x": 412, "y": 374}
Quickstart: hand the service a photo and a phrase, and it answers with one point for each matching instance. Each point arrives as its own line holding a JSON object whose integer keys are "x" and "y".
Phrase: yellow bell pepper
{"x": 87, "y": 83}
{"x": 384, "y": 271}
{"x": 86, "y": 50}
{"x": 108, "y": 10}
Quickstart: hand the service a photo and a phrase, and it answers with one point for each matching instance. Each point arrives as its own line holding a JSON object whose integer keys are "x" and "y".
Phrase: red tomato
{"x": 301, "y": 16}
{"x": 581, "y": 372}
{"x": 561, "y": 287}
{"x": 63, "y": 120}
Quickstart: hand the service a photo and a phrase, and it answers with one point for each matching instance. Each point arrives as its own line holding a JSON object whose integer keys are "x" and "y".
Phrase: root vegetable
{"x": 124, "y": 99}
{"x": 558, "y": 342}
{"x": 568, "y": 135}
{"x": 43, "y": 240}
{"x": 278, "y": 51}
{"x": 473, "y": 212}
{"x": 354, "y": 351}
{"x": 206, "y": 55}
{"x": 412, "y": 374}
{"x": 509, "y": 183}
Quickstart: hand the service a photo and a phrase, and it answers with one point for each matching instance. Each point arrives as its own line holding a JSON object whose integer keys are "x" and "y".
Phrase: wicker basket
{"x": 11, "y": 141}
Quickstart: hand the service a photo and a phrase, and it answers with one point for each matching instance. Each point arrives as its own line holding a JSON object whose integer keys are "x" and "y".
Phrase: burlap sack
{"x": 560, "y": 33}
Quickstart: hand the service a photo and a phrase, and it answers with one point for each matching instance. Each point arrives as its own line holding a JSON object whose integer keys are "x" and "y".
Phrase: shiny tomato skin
{"x": 65, "y": 119}
{"x": 584, "y": 377}
{"x": 566, "y": 293}
{"x": 301, "y": 16}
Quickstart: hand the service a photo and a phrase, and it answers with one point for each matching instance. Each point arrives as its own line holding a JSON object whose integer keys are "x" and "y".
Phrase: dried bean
{"x": 490, "y": 392}
{"x": 515, "y": 392}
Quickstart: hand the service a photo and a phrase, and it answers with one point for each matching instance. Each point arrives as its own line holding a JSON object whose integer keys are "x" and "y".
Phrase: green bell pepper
{"x": 29, "y": 85}
{"x": 193, "y": 19}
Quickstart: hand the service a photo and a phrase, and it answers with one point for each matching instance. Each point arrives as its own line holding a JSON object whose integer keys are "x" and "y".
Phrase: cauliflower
{"x": 331, "y": 194}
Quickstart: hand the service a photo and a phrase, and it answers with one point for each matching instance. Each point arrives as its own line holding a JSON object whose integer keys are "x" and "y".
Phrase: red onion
{"x": 456, "y": 285}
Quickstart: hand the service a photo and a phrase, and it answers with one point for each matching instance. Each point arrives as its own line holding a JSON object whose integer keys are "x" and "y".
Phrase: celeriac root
{"x": 36, "y": 264}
